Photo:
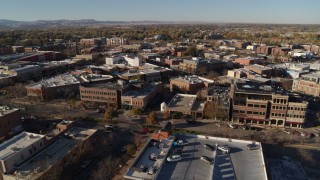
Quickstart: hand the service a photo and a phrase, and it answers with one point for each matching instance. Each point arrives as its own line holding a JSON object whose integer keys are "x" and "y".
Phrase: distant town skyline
{"x": 226, "y": 11}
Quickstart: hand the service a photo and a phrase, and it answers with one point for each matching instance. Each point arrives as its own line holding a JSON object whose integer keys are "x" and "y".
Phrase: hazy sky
{"x": 256, "y": 11}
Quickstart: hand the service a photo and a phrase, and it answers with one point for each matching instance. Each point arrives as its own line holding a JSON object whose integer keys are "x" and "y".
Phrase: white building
{"x": 133, "y": 61}
{"x": 18, "y": 149}
{"x": 113, "y": 60}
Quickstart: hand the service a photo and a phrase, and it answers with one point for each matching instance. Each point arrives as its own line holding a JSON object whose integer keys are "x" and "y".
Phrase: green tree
{"x": 151, "y": 118}
{"x": 191, "y": 51}
{"x": 110, "y": 114}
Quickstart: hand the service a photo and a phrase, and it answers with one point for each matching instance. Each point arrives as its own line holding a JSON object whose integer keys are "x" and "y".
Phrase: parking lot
{"x": 241, "y": 163}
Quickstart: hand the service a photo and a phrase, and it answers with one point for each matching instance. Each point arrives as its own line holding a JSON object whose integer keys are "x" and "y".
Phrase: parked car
{"x": 209, "y": 147}
{"x": 245, "y": 128}
{"x": 178, "y": 150}
{"x": 253, "y": 146}
{"x": 123, "y": 149}
{"x": 145, "y": 131}
{"x": 85, "y": 163}
{"x": 224, "y": 149}
{"x": 181, "y": 143}
{"x": 287, "y": 132}
{"x": 232, "y": 126}
{"x": 206, "y": 159}
{"x": 143, "y": 168}
{"x": 153, "y": 156}
{"x": 174, "y": 158}
{"x": 316, "y": 134}
{"x": 152, "y": 170}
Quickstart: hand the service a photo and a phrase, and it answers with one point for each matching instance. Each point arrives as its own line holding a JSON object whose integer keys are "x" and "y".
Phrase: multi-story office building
{"x": 90, "y": 42}
{"x": 217, "y": 103}
{"x": 308, "y": 84}
{"x": 189, "y": 66}
{"x": 103, "y": 94}
{"x": 261, "y": 105}
{"x": 116, "y": 41}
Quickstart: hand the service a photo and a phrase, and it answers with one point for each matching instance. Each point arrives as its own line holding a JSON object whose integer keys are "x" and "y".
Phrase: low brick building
{"x": 308, "y": 84}
{"x": 248, "y": 61}
{"x": 10, "y": 121}
{"x": 259, "y": 69}
{"x": 189, "y": 84}
{"x": 64, "y": 85}
{"x": 134, "y": 99}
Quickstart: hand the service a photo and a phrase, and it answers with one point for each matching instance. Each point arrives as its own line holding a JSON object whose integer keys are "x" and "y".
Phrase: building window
{"x": 249, "y": 112}
{"x": 250, "y": 105}
{"x": 263, "y": 106}
{"x": 256, "y": 105}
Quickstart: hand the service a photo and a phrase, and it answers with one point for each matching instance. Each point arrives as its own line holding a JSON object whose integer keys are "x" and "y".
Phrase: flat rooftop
{"x": 109, "y": 85}
{"x": 182, "y": 102}
{"x": 4, "y": 110}
{"x": 311, "y": 75}
{"x": 81, "y": 133}
{"x": 240, "y": 163}
{"x": 36, "y": 166}
{"x": 12, "y": 57}
{"x": 146, "y": 91}
{"x": 260, "y": 67}
{"x": 42, "y": 162}
{"x": 192, "y": 79}
{"x": 162, "y": 149}
{"x": 60, "y": 80}
{"x": 17, "y": 144}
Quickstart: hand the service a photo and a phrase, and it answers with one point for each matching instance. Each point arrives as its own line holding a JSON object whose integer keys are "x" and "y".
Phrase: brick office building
{"x": 103, "y": 94}
{"x": 261, "y": 105}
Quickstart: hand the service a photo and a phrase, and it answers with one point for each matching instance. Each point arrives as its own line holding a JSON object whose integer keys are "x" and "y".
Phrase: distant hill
{"x": 5, "y": 23}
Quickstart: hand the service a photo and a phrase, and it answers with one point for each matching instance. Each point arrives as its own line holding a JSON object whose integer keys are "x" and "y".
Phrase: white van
{"x": 174, "y": 158}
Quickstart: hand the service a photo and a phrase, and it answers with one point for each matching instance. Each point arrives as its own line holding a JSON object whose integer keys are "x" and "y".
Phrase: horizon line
{"x": 171, "y": 21}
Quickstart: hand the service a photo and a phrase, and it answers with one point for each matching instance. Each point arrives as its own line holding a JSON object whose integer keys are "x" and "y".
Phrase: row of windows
{"x": 98, "y": 92}
{"x": 97, "y": 97}
{"x": 137, "y": 103}
{"x": 296, "y": 108}
{"x": 249, "y": 112}
{"x": 279, "y": 107}
{"x": 257, "y": 106}
{"x": 280, "y": 101}
{"x": 288, "y": 115}
{"x": 278, "y": 115}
